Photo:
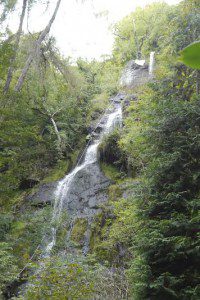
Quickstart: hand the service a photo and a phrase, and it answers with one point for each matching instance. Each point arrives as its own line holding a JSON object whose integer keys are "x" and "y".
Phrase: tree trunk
{"x": 36, "y": 49}
{"x": 56, "y": 131}
{"x": 138, "y": 55}
{"x": 62, "y": 69}
{"x": 16, "y": 47}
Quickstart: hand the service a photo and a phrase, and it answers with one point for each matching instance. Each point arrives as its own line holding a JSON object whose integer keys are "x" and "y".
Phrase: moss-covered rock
{"x": 58, "y": 171}
{"x": 113, "y": 161}
{"x": 110, "y": 171}
{"x": 78, "y": 231}
{"x": 115, "y": 192}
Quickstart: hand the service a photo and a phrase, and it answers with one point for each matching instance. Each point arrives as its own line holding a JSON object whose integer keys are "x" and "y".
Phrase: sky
{"x": 79, "y": 29}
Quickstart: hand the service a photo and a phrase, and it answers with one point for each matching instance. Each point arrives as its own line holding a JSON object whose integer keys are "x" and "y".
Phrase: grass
{"x": 111, "y": 171}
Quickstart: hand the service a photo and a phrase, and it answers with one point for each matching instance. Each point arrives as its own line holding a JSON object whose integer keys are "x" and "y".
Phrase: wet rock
{"x": 87, "y": 191}
{"x": 99, "y": 128}
{"x": 118, "y": 98}
{"x": 44, "y": 194}
{"x": 128, "y": 99}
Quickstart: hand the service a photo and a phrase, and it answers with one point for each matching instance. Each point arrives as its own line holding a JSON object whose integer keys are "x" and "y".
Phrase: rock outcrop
{"x": 43, "y": 195}
{"x": 87, "y": 192}
{"x": 134, "y": 75}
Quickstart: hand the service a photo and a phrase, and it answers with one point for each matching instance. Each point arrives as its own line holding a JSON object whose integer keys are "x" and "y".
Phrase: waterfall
{"x": 62, "y": 191}
{"x": 151, "y": 63}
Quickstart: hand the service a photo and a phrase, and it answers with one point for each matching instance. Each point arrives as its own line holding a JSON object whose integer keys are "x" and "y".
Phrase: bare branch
{"x": 16, "y": 47}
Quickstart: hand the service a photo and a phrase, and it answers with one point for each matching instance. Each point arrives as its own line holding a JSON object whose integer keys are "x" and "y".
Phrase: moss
{"x": 65, "y": 165}
{"x": 115, "y": 192}
{"x": 62, "y": 232}
{"x": 58, "y": 171}
{"x": 18, "y": 228}
{"x": 100, "y": 245}
{"x": 105, "y": 241}
{"x": 12, "y": 200}
{"x": 110, "y": 171}
{"x": 106, "y": 251}
{"x": 96, "y": 228}
{"x": 111, "y": 153}
{"x": 79, "y": 230}
{"x": 98, "y": 105}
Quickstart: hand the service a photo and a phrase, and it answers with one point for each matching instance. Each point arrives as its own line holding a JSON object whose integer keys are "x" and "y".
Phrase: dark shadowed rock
{"x": 118, "y": 98}
{"x": 128, "y": 99}
{"x": 127, "y": 102}
{"x": 28, "y": 183}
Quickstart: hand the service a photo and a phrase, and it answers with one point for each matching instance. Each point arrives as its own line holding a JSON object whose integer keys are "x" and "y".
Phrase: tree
{"x": 36, "y": 49}
{"x": 7, "y": 6}
{"x": 8, "y": 268}
{"x": 142, "y": 31}
{"x": 16, "y": 47}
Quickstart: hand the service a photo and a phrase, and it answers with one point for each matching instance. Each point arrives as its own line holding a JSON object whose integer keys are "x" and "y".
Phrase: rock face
{"x": 87, "y": 192}
{"x": 134, "y": 75}
{"x": 81, "y": 192}
{"x": 84, "y": 189}
{"x": 44, "y": 194}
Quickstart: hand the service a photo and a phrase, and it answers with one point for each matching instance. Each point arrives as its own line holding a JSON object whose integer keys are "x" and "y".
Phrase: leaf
{"x": 190, "y": 55}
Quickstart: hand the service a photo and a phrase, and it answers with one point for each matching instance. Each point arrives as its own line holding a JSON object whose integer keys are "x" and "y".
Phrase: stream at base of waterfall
{"x": 75, "y": 193}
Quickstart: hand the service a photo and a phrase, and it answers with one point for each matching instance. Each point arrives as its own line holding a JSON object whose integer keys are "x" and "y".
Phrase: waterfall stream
{"x": 62, "y": 192}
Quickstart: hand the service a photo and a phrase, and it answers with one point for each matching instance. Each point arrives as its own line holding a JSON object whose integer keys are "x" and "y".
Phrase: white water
{"x": 113, "y": 119}
{"x": 151, "y": 63}
{"x": 140, "y": 62}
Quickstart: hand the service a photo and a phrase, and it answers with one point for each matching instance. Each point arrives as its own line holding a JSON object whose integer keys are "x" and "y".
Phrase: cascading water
{"x": 151, "y": 63}
{"x": 62, "y": 193}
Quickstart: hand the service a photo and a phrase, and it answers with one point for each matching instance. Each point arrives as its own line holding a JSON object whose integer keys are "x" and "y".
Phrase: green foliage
{"x": 58, "y": 171}
{"x": 113, "y": 160}
{"x": 190, "y": 55}
{"x": 153, "y": 232}
{"x": 75, "y": 277}
{"x": 6, "y": 6}
{"x": 30, "y": 144}
{"x": 60, "y": 279}
{"x": 110, "y": 171}
{"x": 158, "y": 222}
{"x": 78, "y": 231}
{"x": 8, "y": 267}
{"x": 166, "y": 143}
{"x": 98, "y": 106}
{"x": 101, "y": 77}
{"x": 158, "y": 27}
{"x": 142, "y": 31}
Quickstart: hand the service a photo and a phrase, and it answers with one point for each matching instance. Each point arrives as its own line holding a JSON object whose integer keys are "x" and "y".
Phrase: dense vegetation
{"x": 43, "y": 126}
{"x": 161, "y": 139}
{"x": 149, "y": 230}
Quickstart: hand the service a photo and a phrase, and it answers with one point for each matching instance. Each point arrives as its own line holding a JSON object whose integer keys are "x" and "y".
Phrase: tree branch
{"x": 36, "y": 49}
